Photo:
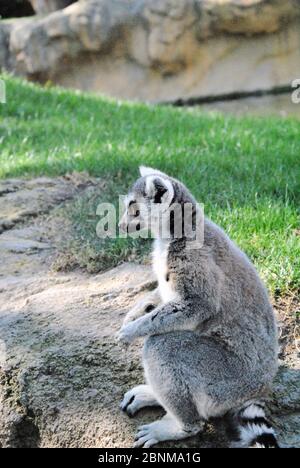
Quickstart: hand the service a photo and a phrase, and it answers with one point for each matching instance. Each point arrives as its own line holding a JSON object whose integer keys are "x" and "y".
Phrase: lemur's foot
{"x": 137, "y": 398}
{"x": 168, "y": 428}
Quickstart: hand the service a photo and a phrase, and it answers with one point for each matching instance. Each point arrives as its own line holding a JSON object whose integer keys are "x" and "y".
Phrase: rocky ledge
{"x": 159, "y": 50}
{"x": 62, "y": 374}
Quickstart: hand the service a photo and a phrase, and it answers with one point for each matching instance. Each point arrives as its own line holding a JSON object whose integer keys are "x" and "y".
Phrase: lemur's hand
{"x": 138, "y": 311}
{"x": 127, "y": 333}
{"x": 132, "y": 315}
{"x": 144, "y": 306}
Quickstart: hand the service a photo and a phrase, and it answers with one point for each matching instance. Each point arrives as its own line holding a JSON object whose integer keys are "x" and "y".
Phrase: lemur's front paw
{"x": 127, "y": 333}
{"x": 130, "y": 317}
{"x": 142, "y": 308}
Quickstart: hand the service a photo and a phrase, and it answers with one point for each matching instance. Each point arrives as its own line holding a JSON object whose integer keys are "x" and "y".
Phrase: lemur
{"x": 210, "y": 346}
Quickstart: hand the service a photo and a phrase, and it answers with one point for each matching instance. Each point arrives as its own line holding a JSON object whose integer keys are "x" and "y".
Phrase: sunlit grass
{"x": 244, "y": 170}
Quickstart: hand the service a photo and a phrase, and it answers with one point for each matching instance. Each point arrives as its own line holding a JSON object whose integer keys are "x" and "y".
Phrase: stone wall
{"x": 48, "y": 6}
{"x": 160, "y": 50}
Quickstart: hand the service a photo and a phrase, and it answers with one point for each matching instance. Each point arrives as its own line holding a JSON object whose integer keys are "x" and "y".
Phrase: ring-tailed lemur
{"x": 210, "y": 334}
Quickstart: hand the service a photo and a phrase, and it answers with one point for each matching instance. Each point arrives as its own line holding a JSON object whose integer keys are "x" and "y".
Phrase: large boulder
{"x": 161, "y": 50}
{"x": 48, "y": 6}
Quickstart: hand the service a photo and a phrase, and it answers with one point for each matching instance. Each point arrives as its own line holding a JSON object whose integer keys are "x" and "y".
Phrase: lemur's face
{"x": 150, "y": 195}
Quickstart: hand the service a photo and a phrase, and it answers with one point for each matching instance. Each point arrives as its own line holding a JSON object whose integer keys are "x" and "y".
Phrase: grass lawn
{"x": 244, "y": 170}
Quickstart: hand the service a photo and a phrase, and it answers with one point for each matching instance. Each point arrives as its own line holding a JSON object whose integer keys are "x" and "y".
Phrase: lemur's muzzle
{"x": 123, "y": 226}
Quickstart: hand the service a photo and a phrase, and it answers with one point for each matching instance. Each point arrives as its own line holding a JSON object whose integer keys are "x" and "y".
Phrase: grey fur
{"x": 213, "y": 347}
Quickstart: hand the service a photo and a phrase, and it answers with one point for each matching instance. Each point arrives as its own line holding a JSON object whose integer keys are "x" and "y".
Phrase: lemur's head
{"x": 150, "y": 201}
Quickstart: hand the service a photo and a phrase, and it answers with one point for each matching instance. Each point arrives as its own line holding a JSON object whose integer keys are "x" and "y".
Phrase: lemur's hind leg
{"x": 137, "y": 398}
{"x": 194, "y": 378}
{"x": 170, "y": 382}
{"x": 167, "y": 428}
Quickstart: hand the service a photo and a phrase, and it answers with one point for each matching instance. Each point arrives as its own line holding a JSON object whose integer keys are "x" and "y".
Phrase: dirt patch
{"x": 21, "y": 199}
{"x": 288, "y": 310}
{"x": 62, "y": 372}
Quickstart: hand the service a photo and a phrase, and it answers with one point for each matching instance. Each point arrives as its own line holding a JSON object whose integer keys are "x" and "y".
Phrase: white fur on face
{"x": 130, "y": 216}
{"x": 128, "y": 198}
{"x": 158, "y": 213}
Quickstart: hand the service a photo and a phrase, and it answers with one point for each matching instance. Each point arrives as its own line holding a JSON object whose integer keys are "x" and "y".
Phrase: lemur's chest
{"x": 160, "y": 267}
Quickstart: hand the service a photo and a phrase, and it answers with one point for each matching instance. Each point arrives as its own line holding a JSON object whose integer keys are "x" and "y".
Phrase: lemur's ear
{"x": 159, "y": 190}
{"x": 145, "y": 171}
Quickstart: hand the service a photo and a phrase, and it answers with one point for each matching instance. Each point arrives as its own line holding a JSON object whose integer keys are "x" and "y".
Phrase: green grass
{"x": 244, "y": 170}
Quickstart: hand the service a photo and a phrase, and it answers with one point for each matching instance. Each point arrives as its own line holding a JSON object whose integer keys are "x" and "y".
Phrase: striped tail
{"x": 252, "y": 429}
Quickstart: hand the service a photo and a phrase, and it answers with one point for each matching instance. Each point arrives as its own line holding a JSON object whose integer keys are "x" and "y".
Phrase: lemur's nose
{"x": 123, "y": 226}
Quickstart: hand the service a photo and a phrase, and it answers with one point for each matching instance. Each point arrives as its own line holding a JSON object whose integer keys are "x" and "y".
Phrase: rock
{"x": 62, "y": 374}
{"x": 47, "y": 6}
{"x": 22, "y": 240}
{"x": 4, "y": 47}
{"x": 160, "y": 50}
{"x": 20, "y": 199}
{"x": 287, "y": 389}
{"x": 70, "y": 375}
{"x": 286, "y": 405}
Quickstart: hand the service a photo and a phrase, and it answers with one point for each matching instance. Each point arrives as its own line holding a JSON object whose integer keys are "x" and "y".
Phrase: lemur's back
{"x": 245, "y": 321}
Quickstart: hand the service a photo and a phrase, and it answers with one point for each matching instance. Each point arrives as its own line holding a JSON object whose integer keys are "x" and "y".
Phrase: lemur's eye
{"x": 137, "y": 213}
